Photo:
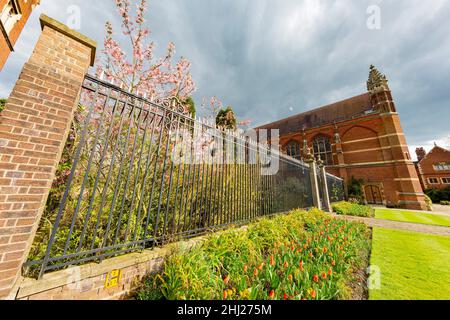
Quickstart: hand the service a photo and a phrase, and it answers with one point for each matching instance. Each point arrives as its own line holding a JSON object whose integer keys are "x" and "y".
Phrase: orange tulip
{"x": 290, "y": 277}
{"x": 225, "y": 294}
{"x": 245, "y": 268}
{"x": 286, "y": 264}
{"x": 272, "y": 261}
{"x": 226, "y": 279}
{"x": 330, "y": 272}
{"x": 324, "y": 276}
{"x": 313, "y": 294}
{"x": 255, "y": 272}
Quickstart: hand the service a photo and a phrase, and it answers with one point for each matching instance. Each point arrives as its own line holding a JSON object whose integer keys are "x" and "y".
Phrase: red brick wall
{"x": 373, "y": 148}
{"x": 26, "y": 8}
{"x": 33, "y": 129}
{"x": 426, "y": 168}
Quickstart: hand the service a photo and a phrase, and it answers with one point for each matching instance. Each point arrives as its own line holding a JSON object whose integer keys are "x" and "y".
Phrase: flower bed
{"x": 303, "y": 255}
{"x": 353, "y": 209}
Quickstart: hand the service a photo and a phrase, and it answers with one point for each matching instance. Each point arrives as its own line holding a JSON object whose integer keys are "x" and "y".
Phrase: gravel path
{"x": 423, "y": 228}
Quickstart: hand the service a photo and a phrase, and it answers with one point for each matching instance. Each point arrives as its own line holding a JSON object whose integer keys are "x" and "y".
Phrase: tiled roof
{"x": 335, "y": 112}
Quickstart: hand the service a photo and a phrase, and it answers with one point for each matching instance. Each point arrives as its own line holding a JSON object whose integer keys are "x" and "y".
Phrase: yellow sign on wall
{"x": 113, "y": 279}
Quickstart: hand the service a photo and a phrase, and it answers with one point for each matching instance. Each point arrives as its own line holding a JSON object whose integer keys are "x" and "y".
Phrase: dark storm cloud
{"x": 272, "y": 59}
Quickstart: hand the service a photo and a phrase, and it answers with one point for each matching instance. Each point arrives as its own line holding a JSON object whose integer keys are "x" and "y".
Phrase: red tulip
{"x": 316, "y": 278}
{"x": 333, "y": 263}
{"x": 272, "y": 294}
{"x": 285, "y": 296}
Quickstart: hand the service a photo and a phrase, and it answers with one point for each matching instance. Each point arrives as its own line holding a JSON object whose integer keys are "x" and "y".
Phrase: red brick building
{"x": 14, "y": 15}
{"x": 433, "y": 168}
{"x": 360, "y": 137}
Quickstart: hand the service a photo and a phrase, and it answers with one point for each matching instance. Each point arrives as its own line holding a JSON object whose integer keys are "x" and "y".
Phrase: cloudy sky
{"x": 272, "y": 59}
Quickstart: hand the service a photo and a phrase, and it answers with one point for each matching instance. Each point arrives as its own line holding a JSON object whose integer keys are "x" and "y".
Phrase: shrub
{"x": 429, "y": 203}
{"x": 355, "y": 189}
{"x": 352, "y": 209}
{"x": 303, "y": 255}
{"x": 437, "y": 195}
{"x": 2, "y": 104}
{"x": 445, "y": 203}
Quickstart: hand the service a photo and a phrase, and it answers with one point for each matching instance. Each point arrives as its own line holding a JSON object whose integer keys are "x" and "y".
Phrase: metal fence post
{"x": 324, "y": 186}
{"x": 309, "y": 159}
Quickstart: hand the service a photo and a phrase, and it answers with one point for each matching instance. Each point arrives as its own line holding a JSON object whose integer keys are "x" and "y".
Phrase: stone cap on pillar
{"x": 46, "y": 21}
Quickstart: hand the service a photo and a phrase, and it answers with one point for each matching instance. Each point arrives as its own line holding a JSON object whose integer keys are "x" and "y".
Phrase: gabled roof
{"x": 436, "y": 147}
{"x": 335, "y": 112}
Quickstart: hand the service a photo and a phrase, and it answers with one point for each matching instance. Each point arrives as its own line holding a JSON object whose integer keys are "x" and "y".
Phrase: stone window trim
{"x": 445, "y": 180}
{"x": 293, "y": 149}
{"x": 10, "y": 15}
{"x": 433, "y": 180}
{"x": 322, "y": 146}
{"x": 441, "y": 167}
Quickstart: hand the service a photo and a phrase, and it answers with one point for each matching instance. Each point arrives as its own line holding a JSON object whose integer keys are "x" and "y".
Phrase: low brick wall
{"x": 113, "y": 279}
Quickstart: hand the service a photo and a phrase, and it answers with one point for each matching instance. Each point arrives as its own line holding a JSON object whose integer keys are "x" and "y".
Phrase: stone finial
{"x": 309, "y": 157}
{"x": 377, "y": 82}
{"x": 320, "y": 162}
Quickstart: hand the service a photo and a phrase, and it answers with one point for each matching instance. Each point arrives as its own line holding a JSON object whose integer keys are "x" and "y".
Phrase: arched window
{"x": 293, "y": 150}
{"x": 322, "y": 147}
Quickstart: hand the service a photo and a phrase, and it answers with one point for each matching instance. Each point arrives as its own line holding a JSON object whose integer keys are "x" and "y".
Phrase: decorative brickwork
{"x": 33, "y": 129}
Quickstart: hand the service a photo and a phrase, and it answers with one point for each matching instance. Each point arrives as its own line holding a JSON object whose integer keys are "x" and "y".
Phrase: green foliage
{"x": 445, "y": 203}
{"x": 353, "y": 209}
{"x": 355, "y": 189}
{"x": 2, "y": 104}
{"x": 226, "y": 119}
{"x": 438, "y": 195}
{"x": 303, "y": 255}
{"x": 191, "y": 106}
{"x": 429, "y": 203}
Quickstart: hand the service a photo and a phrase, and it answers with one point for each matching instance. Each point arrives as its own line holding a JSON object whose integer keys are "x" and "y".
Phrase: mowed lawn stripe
{"x": 413, "y": 266}
{"x": 413, "y": 217}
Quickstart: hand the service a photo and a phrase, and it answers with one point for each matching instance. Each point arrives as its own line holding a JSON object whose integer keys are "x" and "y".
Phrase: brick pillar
{"x": 33, "y": 129}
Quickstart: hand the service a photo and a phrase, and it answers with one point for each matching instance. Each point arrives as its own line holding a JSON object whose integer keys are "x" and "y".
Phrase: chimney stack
{"x": 420, "y": 152}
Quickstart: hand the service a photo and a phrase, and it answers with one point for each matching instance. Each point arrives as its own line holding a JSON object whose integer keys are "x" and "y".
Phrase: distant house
{"x": 14, "y": 15}
{"x": 359, "y": 137}
{"x": 433, "y": 167}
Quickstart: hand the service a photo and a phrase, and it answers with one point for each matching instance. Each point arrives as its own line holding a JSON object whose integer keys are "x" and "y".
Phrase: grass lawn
{"x": 414, "y": 217}
{"x": 413, "y": 266}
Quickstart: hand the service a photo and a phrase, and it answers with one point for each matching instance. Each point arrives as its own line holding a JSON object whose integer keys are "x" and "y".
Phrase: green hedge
{"x": 353, "y": 209}
{"x": 303, "y": 255}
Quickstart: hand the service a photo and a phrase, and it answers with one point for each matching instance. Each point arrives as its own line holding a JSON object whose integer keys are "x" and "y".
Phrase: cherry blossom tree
{"x": 139, "y": 72}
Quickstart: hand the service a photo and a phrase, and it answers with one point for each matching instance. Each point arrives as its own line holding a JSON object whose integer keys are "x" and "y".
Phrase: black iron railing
{"x": 145, "y": 173}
